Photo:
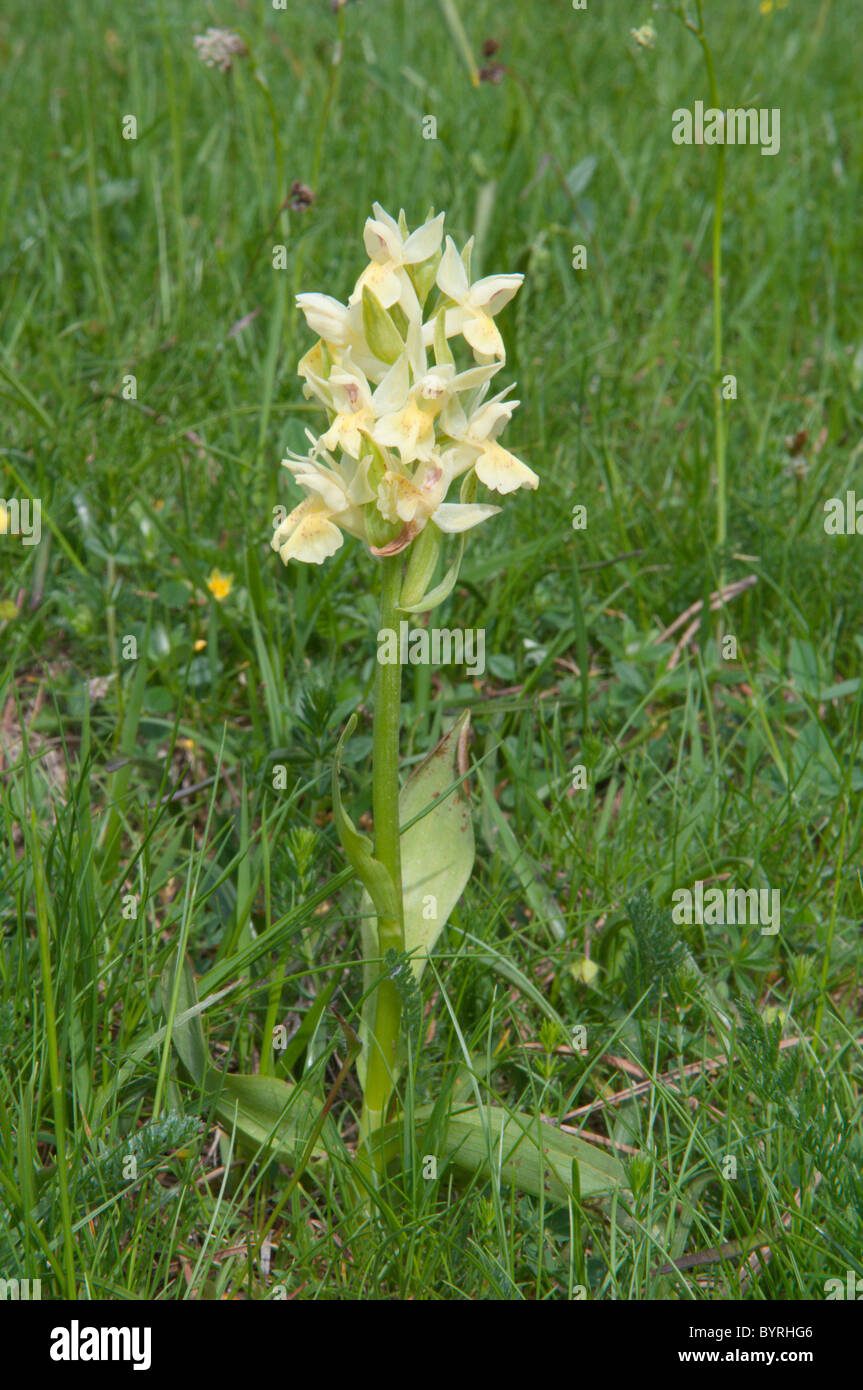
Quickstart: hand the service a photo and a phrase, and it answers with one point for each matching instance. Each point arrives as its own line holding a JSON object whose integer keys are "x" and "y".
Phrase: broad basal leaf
{"x": 269, "y": 1114}
{"x": 438, "y": 850}
{"x": 437, "y": 859}
{"x": 272, "y": 1114}
{"x": 188, "y": 1034}
{"x": 524, "y": 1152}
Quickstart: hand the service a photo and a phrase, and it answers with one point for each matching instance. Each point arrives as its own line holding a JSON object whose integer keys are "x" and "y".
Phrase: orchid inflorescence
{"x": 406, "y": 418}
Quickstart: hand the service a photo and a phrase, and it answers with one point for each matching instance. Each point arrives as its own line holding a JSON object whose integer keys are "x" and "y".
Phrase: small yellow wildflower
{"x": 220, "y": 585}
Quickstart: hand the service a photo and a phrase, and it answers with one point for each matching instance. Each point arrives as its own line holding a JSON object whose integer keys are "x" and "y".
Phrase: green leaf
{"x": 110, "y": 840}
{"x": 422, "y": 562}
{"x": 442, "y": 349}
{"x": 268, "y": 1113}
{"x": 174, "y": 594}
{"x": 131, "y": 1066}
{"x": 27, "y": 398}
{"x": 437, "y": 853}
{"x": 489, "y": 956}
{"x": 188, "y": 1034}
{"x": 422, "y": 275}
{"x": 580, "y": 175}
{"x": 272, "y": 1114}
{"x": 381, "y": 333}
{"x": 302, "y": 1038}
{"x": 521, "y": 1151}
{"x": 437, "y": 850}
{"x": 541, "y": 900}
{"x": 435, "y": 596}
{"x": 456, "y": 28}
{"x": 357, "y": 846}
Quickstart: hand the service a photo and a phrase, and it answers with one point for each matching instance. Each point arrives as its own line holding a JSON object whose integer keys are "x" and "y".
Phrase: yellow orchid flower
{"x": 391, "y": 252}
{"x": 400, "y": 429}
{"x": 477, "y": 303}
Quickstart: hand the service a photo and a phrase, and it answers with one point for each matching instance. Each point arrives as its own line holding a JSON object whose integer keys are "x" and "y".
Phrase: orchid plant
{"x": 404, "y": 373}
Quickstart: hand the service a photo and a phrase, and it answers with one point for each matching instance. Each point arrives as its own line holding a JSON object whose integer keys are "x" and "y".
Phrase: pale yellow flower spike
{"x": 402, "y": 428}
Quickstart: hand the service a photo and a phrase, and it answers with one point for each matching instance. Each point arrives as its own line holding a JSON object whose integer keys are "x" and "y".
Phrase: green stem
{"x": 716, "y": 271}
{"x": 385, "y": 804}
{"x": 43, "y": 925}
{"x": 828, "y": 950}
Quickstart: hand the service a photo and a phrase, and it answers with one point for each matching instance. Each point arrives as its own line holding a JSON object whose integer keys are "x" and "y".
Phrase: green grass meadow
{"x": 171, "y": 694}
